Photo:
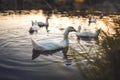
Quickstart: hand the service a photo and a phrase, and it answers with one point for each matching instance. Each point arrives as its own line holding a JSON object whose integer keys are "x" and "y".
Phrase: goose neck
{"x": 46, "y": 20}
{"x": 66, "y": 33}
{"x": 79, "y": 28}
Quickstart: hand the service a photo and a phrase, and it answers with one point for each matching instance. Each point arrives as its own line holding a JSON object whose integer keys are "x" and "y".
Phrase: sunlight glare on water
{"x": 16, "y": 48}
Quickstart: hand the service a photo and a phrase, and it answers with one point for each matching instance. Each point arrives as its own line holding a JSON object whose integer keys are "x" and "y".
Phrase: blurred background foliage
{"x": 62, "y": 5}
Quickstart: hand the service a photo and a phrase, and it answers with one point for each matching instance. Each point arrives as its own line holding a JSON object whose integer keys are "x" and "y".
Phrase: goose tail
{"x": 98, "y": 32}
{"x": 35, "y": 45}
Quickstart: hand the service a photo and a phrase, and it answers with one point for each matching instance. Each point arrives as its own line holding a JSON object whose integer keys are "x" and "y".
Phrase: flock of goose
{"x": 36, "y": 25}
{"x": 55, "y": 45}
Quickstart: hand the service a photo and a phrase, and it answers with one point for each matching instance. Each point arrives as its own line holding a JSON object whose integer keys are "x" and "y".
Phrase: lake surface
{"x": 16, "y": 48}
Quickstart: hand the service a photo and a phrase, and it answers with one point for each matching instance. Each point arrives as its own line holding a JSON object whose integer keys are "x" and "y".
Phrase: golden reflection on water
{"x": 56, "y": 21}
{"x": 16, "y": 27}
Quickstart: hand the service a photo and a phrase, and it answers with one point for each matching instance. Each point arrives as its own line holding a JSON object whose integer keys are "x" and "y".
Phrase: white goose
{"x": 41, "y": 24}
{"x": 54, "y": 45}
{"x": 34, "y": 27}
{"x": 92, "y": 20}
{"x": 87, "y": 34}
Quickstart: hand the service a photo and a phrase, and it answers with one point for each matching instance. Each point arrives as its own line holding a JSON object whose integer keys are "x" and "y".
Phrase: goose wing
{"x": 41, "y": 24}
{"x": 35, "y": 27}
{"x": 46, "y": 45}
{"x": 87, "y": 34}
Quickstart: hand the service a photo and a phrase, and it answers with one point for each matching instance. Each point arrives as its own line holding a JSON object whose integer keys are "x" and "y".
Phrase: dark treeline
{"x": 59, "y": 5}
{"x": 42, "y": 4}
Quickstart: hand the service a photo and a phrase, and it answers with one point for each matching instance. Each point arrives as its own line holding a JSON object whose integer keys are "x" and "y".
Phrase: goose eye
{"x": 72, "y": 28}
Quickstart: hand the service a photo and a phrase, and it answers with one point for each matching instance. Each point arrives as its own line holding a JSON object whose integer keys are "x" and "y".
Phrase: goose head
{"x": 68, "y": 29}
{"x": 47, "y": 18}
{"x": 79, "y": 28}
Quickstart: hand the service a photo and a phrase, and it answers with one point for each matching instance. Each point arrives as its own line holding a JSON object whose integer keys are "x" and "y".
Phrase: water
{"x": 16, "y": 49}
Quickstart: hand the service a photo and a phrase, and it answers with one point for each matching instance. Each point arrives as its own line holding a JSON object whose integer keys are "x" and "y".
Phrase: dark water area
{"x": 16, "y": 48}
{"x": 16, "y": 54}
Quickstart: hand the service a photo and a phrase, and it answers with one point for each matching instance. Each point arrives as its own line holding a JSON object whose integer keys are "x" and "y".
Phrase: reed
{"x": 106, "y": 64}
{"x": 107, "y": 67}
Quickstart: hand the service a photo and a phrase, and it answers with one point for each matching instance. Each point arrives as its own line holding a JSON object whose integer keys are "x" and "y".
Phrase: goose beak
{"x": 48, "y": 17}
{"x": 75, "y": 30}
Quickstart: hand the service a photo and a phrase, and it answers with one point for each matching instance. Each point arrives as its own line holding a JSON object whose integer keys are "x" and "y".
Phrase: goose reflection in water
{"x": 37, "y": 53}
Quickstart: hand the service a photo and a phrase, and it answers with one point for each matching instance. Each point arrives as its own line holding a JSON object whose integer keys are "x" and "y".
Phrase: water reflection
{"x": 37, "y": 53}
{"x": 16, "y": 48}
